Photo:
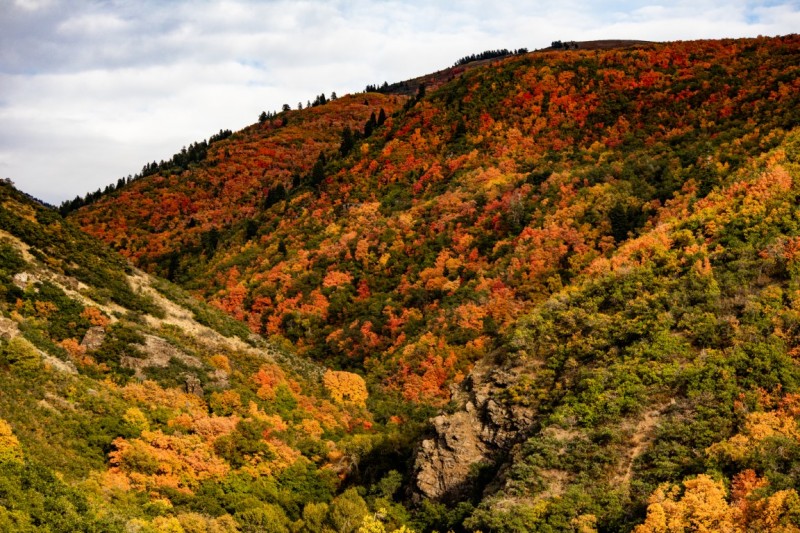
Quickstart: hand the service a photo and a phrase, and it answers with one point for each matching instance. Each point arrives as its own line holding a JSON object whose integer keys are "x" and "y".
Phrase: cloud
{"x": 91, "y": 90}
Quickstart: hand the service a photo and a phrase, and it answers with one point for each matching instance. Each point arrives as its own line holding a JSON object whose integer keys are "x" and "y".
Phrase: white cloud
{"x": 90, "y": 91}
{"x": 91, "y": 25}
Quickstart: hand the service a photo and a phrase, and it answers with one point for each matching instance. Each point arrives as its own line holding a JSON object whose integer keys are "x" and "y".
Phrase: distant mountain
{"x": 579, "y": 260}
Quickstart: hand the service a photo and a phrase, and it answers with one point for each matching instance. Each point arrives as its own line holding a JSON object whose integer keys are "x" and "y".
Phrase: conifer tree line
{"x": 489, "y": 54}
{"x": 193, "y": 154}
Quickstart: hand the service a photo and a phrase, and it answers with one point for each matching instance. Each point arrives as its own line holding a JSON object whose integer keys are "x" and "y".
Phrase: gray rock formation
{"x": 471, "y": 438}
{"x": 94, "y": 338}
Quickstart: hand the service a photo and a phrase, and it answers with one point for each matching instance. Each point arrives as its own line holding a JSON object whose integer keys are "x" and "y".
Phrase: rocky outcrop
{"x": 94, "y": 338}
{"x": 193, "y": 385}
{"x": 472, "y": 438}
{"x": 8, "y": 328}
{"x": 23, "y": 279}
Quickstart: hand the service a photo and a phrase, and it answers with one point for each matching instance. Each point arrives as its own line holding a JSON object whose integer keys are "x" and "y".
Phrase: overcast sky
{"x": 92, "y": 90}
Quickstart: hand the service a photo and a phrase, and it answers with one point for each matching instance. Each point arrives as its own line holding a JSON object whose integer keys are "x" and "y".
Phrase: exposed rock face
{"x": 443, "y": 462}
{"x": 8, "y": 328}
{"x": 23, "y": 279}
{"x": 473, "y": 437}
{"x": 193, "y": 385}
{"x": 94, "y": 338}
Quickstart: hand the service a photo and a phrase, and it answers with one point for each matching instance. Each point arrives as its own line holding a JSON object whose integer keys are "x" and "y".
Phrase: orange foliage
{"x": 464, "y": 218}
{"x": 335, "y": 278}
{"x": 95, "y": 317}
{"x": 156, "y": 460}
{"x": 10, "y": 449}
{"x": 703, "y": 506}
{"x": 268, "y": 378}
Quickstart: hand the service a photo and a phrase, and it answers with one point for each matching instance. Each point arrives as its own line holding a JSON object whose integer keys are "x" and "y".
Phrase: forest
{"x": 556, "y": 292}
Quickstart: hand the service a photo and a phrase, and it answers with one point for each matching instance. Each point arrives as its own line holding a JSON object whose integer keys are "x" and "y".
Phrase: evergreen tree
{"x": 347, "y": 141}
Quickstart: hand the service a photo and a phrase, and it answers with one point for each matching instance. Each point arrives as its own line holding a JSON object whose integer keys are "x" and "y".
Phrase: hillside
{"x": 580, "y": 260}
{"x": 424, "y": 242}
{"x": 126, "y": 405}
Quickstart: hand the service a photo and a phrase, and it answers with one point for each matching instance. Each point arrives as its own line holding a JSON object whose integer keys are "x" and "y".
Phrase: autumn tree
{"x": 346, "y": 387}
{"x": 10, "y": 449}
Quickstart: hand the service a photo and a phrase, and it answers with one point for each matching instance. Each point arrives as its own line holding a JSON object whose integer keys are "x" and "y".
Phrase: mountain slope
{"x": 467, "y": 208}
{"x": 583, "y": 258}
{"x": 126, "y": 405}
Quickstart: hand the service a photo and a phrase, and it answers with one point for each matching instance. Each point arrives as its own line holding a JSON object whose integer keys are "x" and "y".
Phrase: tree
{"x": 347, "y": 141}
{"x": 266, "y": 518}
{"x": 369, "y": 127}
{"x": 318, "y": 171}
{"x": 347, "y": 511}
{"x": 346, "y": 387}
{"x": 702, "y": 507}
{"x": 9, "y": 445}
{"x": 262, "y": 117}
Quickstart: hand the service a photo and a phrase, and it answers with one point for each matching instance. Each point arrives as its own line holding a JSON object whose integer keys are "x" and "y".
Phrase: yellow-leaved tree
{"x": 10, "y": 449}
{"x": 701, "y": 507}
{"x": 346, "y": 387}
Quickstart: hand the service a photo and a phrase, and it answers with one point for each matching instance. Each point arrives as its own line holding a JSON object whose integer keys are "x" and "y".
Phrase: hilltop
{"x": 565, "y": 278}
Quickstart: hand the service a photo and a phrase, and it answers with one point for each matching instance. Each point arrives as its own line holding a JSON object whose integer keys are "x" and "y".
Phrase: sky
{"x": 92, "y": 90}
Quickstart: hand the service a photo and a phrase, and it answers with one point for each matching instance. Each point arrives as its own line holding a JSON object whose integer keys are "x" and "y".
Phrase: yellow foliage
{"x": 311, "y": 428}
{"x": 23, "y": 355}
{"x": 702, "y": 508}
{"x": 372, "y": 524}
{"x": 164, "y": 524}
{"x": 136, "y": 418}
{"x": 220, "y": 362}
{"x": 585, "y": 523}
{"x": 226, "y": 402}
{"x": 758, "y": 427}
{"x": 10, "y": 449}
{"x": 152, "y": 395}
{"x": 345, "y": 387}
{"x": 197, "y": 523}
